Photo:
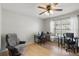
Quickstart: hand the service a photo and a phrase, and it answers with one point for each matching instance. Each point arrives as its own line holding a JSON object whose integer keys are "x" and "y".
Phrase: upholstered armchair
{"x": 14, "y": 45}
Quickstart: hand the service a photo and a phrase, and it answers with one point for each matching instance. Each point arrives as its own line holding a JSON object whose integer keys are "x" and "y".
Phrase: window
{"x": 62, "y": 26}
{"x": 65, "y": 25}
{"x": 58, "y": 27}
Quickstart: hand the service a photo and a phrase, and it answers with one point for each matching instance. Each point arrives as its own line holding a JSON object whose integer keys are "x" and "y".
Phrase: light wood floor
{"x": 47, "y": 49}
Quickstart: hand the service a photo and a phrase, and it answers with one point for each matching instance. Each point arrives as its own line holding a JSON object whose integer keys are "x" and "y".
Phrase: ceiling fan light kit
{"x": 49, "y": 8}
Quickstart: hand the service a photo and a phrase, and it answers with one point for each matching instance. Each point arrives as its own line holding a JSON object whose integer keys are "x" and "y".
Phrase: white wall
{"x": 52, "y": 26}
{"x": 46, "y": 25}
{"x": 0, "y": 26}
{"x": 24, "y": 25}
{"x": 78, "y": 25}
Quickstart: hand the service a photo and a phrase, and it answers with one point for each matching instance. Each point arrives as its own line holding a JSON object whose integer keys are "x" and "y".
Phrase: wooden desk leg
{"x": 64, "y": 43}
{"x": 61, "y": 42}
{"x": 77, "y": 45}
{"x": 77, "y": 49}
{"x": 58, "y": 42}
{"x": 35, "y": 39}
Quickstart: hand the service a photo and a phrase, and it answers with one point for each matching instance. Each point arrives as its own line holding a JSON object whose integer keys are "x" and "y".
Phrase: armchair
{"x": 14, "y": 45}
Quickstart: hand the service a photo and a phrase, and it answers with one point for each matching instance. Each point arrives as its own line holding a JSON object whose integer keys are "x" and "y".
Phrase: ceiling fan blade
{"x": 41, "y": 7}
{"x": 42, "y": 13}
{"x": 55, "y": 4}
{"x": 57, "y": 9}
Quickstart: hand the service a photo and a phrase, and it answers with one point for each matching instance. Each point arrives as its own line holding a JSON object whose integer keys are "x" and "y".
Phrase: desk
{"x": 36, "y": 40}
{"x": 60, "y": 41}
{"x": 41, "y": 39}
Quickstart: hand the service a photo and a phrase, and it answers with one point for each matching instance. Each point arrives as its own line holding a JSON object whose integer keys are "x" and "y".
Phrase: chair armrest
{"x": 22, "y": 42}
{"x": 10, "y": 47}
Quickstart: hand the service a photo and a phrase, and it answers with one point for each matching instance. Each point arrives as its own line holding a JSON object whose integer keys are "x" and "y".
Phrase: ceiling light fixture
{"x": 49, "y": 8}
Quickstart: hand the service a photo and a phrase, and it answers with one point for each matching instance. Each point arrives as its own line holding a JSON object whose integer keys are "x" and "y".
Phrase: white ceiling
{"x": 32, "y": 10}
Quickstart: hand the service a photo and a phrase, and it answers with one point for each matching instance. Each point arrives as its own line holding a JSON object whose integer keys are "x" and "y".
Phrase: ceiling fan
{"x": 49, "y": 7}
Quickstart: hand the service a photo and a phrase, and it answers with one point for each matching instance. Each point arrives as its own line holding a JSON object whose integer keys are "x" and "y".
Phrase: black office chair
{"x": 69, "y": 41}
